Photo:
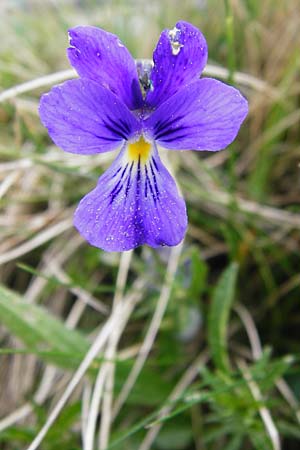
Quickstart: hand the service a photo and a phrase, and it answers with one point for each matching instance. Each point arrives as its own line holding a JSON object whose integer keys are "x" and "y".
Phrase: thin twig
{"x": 210, "y": 70}
{"x": 179, "y": 389}
{"x": 40, "y": 239}
{"x": 211, "y": 193}
{"x": 243, "y": 79}
{"x": 272, "y": 215}
{"x": 289, "y": 396}
{"x": 256, "y": 349}
{"x": 81, "y": 293}
{"x": 16, "y": 416}
{"x": 251, "y": 330}
{"x": 105, "y": 373}
{"x": 153, "y": 328}
{"x": 86, "y": 362}
{"x": 8, "y": 182}
{"x": 106, "y": 411}
{"x": 85, "y": 406}
{"x": 47, "y": 379}
{"x": 31, "y": 85}
{"x": 94, "y": 409}
{"x": 263, "y": 411}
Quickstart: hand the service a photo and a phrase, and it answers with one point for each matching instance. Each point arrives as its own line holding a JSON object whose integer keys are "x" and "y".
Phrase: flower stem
{"x": 231, "y": 63}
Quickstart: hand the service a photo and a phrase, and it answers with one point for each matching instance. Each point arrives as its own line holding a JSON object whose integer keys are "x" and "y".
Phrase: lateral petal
{"x": 83, "y": 117}
{"x": 100, "y": 56}
{"x": 135, "y": 202}
{"x": 179, "y": 58}
{"x": 206, "y": 115}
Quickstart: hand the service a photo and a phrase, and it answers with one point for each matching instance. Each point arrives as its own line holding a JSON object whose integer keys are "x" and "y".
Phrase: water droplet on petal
{"x": 176, "y": 46}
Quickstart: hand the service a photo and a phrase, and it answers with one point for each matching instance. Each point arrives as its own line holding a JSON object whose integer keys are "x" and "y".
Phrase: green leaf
{"x": 235, "y": 443}
{"x": 218, "y": 316}
{"x": 150, "y": 388}
{"x": 20, "y": 435}
{"x": 61, "y": 432}
{"x": 37, "y": 328}
{"x": 175, "y": 435}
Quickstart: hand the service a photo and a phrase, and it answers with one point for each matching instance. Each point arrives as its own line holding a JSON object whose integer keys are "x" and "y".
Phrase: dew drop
{"x": 176, "y": 46}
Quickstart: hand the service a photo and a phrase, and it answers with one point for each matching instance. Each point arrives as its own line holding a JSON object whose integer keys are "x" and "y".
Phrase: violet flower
{"x": 111, "y": 106}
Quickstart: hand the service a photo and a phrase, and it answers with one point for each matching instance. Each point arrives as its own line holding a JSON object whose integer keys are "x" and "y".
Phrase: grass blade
{"x": 36, "y": 328}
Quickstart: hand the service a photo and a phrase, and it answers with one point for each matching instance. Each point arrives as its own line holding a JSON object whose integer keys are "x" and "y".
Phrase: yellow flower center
{"x": 139, "y": 150}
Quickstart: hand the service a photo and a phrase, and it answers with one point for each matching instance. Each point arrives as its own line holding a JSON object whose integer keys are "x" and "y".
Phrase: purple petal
{"x": 135, "y": 202}
{"x": 179, "y": 59}
{"x": 84, "y": 117}
{"x": 206, "y": 115}
{"x": 101, "y": 56}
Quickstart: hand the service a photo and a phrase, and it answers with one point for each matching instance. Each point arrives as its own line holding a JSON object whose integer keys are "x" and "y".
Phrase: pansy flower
{"x": 118, "y": 104}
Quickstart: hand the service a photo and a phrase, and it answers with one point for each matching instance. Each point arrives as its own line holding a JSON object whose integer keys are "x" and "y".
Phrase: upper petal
{"x": 135, "y": 202}
{"x": 206, "y": 115}
{"x": 84, "y": 117}
{"x": 101, "y": 56}
{"x": 179, "y": 58}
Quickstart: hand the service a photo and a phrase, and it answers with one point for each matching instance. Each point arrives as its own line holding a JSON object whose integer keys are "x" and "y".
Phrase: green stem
{"x": 231, "y": 63}
{"x": 230, "y": 40}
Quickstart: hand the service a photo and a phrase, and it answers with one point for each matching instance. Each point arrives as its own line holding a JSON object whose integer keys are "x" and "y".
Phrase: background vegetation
{"x": 196, "y": 347}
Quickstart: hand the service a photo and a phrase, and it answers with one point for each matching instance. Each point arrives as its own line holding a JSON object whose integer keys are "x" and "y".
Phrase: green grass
{"x": 223, "y": 370}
